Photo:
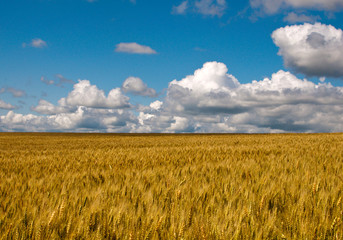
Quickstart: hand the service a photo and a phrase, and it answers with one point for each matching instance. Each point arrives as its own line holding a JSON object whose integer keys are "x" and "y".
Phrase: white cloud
{"x": 82, "y": 120}
{"x": 212, "y": 76}
{"x": 278, "y": 104}
{"x": 181, "y": 124}
{"x": 36, "y": 43}
{"x": 136, "y": 86}
{"x": 209, "y": 100}
{"x": 45, "y": 107}
{"x": 273, "y": 6}
{"x": 312, "y": 49}
{"x": 300, "y": 18}
{"x": 156, "y": 105}
{"x": 6, "y": 106}
{"x": 134, "y": 48}
{"x": 180, "y": 9}
{"x": 85, "y": 94}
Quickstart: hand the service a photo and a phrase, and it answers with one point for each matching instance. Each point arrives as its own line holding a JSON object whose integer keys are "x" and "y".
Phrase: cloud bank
{"x": 209, "y": 100}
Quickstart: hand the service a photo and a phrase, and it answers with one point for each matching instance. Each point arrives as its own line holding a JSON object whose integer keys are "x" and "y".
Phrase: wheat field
{"x": 117, "y": 186}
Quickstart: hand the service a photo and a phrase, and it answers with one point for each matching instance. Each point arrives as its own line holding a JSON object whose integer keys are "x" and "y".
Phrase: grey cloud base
{"x": 210, "y": 100}
{"x": 312, "y": 49}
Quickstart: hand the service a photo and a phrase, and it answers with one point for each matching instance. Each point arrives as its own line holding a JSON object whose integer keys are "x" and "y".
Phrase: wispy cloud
{"x": 46, "y": 81}
{"x": 36, "y": 43}
{"x": 293, "y": 17}
{"x": 181, "y": 8}
{"x": 134, "y": 48}
{"x": 59, "y": 83}
{"x": 211, "y": 7}
{"x": 203, "y": 7}
{"x": 15, "y": 92}
{"x": 274, "y": 6}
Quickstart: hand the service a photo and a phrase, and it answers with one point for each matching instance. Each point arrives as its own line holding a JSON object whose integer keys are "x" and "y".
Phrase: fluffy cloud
{"x": 203, "y": 91}
{"x": 136, "y": 86}
{"x": 6, "y": 106}
{"x": 213, "y": 101}
{"x": 273, "y": 6}
{"x": 209, "y": 100}
{"x": 312, "y": 49}
{"x": 156, "y": 105}
{"x": 85, "y": 94}
{"x": 134, "y": 48}
{"x": 45, "y": 107}
{"x": 204, "y": 7}
{"x": 36, "y": 43}
{"x": 82, "y": 120}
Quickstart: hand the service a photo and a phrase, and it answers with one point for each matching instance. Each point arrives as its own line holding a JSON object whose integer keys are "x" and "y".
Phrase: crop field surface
{"x": 186, "y": 186}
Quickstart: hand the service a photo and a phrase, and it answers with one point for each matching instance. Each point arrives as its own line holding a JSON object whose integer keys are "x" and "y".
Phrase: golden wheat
{"x": 131, "y": 186}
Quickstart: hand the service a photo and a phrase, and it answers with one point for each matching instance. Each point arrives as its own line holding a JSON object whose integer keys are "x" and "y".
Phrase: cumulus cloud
{"x": 85, "y": 94}
{"x": 204, "y": 7}
{"x": 82, "y": 120}
{"x": 209, "y": 100}
{"x": 273, "y": 6}
{"x": 312, "y": 49}
{"x": 156, "y": 105}
{"x": 134, "y": 48}
{"x": 45, "y": 107}
{"x": 136, "y": 86}
{"x": 36, "y": 43}
{"x": 214, "y": 101}
{"x": 202, "y": 90}
{"x": 6, "y": 106}
{"x": 293, "y": 17}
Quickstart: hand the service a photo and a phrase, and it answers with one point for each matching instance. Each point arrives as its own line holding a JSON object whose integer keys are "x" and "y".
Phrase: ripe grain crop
{"x": 117, "y": 186}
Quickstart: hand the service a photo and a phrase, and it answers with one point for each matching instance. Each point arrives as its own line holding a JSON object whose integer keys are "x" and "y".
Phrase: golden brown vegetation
{"x": 103, "y": 186}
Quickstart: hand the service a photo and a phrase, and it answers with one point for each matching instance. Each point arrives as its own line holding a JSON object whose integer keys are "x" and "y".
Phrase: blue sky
{"x": 176, "y": 66}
